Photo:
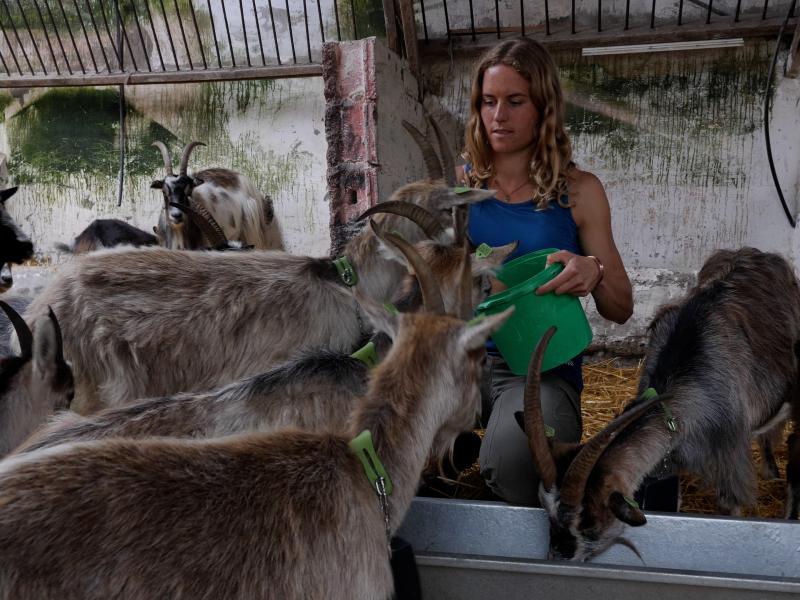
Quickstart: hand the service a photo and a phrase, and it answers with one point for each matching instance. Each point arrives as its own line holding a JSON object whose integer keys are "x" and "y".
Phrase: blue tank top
{"x": 496, "y": 223}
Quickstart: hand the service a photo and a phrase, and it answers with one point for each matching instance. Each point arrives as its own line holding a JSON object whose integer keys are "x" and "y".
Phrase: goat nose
{"x": 6, "y": 279}
{"x": 176, "y": 215}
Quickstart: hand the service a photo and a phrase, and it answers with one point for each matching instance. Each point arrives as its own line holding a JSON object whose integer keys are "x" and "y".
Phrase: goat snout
{"x": 176, "y": 216}
{"x": 6, "y": 280}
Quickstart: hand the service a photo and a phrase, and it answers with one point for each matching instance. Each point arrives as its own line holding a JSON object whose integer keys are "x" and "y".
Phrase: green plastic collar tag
{"x": 649, "y": 393}
{"x": 462, "y": 189}
{"x": 391, "y": 308}
{"x": 631, "y": 502}
{"x": 346, "y": 271}
{"x": 483, "y": 250}
{"x": 476, "y": 320}
{"x": 367, "y": 355}
{"x": 365, "y": 451}
{"x": 549, "y": 431}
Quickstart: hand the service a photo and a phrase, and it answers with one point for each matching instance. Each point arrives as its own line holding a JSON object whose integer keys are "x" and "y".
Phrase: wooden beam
{"x": 565, "y": 40}
{"x": 137, "y": 78}
{"x": 410, "y": 35}
{"x": 390, "y": 19}
{"x": 793, "y": 68}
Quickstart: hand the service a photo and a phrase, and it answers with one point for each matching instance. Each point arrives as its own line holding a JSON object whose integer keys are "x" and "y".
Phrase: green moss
{"x": 368, "y": 18}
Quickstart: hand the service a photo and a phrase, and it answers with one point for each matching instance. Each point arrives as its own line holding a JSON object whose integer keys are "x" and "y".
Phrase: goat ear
{"x": 157, "y": 184}
{"x": 626, "y": 511}
{"x": 6, "y": 194}
{"x": 384, "y": 317}
{"x": 478, "y": 331}
{"x": 482, "y": 264}
{"x": 45, "y": 348}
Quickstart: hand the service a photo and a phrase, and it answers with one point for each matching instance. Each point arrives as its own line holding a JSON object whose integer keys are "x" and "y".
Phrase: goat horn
{"x": 165, "y": 155}
{"x": 574, "y": 484}
{"x": 431, "y": 294}
{"x": 59, "y": 337}
{"x": 432, "y": 164}
{"x": 21, "y": 327}
{"x": 534, "y": 421}
{"x": 448, "y": 164}
{"x": 465, "y": 285}
{"x": 421, "y": 216}
{"x": 187, "y": 152}
{"x": 205, "y": 222}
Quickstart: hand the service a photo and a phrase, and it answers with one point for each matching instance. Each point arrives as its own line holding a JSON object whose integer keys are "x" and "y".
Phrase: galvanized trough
{"x": 476, "y": 550}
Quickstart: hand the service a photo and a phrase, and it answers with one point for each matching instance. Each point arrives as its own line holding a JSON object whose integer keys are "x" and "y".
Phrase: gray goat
{"x": 243, "y": 212}
{"x": 720, "y": 367}
{"x": 33, "y": 384}
{"x": 288, "y": 515}
{"x": 152, "y": 322}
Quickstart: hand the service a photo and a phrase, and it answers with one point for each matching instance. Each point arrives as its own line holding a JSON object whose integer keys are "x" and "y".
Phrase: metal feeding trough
{"x": 476, "y": 550}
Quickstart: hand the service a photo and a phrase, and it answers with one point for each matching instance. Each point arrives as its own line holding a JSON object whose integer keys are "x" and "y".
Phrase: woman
{"x": 516, "y": 144}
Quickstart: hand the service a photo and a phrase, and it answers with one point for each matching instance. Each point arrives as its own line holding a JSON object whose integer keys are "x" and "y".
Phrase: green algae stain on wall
{"x": 669, "y": 119}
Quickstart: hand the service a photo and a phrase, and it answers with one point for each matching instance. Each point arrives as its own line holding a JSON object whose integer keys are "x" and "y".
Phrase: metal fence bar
{"x": 291, "y": 35}
{"x": 30, "y": 34}
{"x": 58, "y": 37}
{"x": 708, "y": 13}
{"x": 275, "y": 32}
{"x": 424, "y": 19}
{"x": 308, "y": 35}
{"x": 546, "y": 17}
{"x": 258, "y": 31}
{"x": 321, "y": 26}
{"x": 472, "y": 20}
{"x": 169, "y": 34}
{"x": 10, "y": 49}
{"x": 96, "y": 33}
{"x": 183, "y": 34}
{"x": 244, "y": 34}
{"x": 200, "y": 38}
{"x": 572, "y": 15}
{"x": 680, "y": 12}
{"x": 214, "y": 33}
{"x": 446, "y": 19}
{"x": 108, "y": 30}
{"x": 738, "y": 11}
{"x": 599, "y": 16}
{"x": 155, "y": 37}
{"x": 16, "y": 35}
{"x": 336, "y": 16}
{"x": 497, "y": 17}
{"x": 71, "y": 37}
{"x": 653, "y": 15}
{"x": 522, "y": 17}
{"x": 85, "y": 35}
{"x": 352, "y": 14}
{"x": 764, "y": 12}
{"x": 627, "y": 13}
{"x": 47, "y": 37}
{"x": 228, "y": 32}
{"x": 141, "y": 36}
{"x": 126, "y": 40}
{"x": 5, "y": 66}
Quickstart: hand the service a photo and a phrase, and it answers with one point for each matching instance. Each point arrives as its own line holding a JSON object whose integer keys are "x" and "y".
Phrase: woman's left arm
{"x": 612, "y": 292}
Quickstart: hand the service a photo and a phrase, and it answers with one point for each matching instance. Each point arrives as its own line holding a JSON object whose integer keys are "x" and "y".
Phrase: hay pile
{"x": 607, "y": 388}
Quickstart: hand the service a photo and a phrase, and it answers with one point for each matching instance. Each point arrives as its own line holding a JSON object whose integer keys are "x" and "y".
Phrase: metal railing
{"x": 83, "y": 42}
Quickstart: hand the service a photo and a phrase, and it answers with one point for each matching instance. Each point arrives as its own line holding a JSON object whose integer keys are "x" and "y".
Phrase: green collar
{"x": 367, "y": 354}
{"x": 669, "y": 419}
{"x": 362, "y": 446}
{"x": 346, "y": 271}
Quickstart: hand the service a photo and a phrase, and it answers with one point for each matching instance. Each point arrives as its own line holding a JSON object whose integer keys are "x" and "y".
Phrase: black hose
{"x": 767, "y": 98}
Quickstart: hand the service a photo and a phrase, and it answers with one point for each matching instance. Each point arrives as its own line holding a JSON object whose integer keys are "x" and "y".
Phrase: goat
{"x": 314, "y": 391}
{"x": 252, "y": 516}
{"x": 33, "y": 384}
{"x": 107, "y": 233}
{"x": 15, "y": 246}
{"x": 135, "y": 320}
{"x": 720, "y": 366}
{"x": 244, "y": 213}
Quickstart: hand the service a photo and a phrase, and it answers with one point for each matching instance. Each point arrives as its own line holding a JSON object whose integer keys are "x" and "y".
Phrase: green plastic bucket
{"x": 518, "y": 336}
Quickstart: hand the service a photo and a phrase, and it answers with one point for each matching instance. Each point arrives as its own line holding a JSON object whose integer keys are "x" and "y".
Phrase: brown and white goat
{"x": 33, "y": 384}
{"x": 288, "y": 515}
{"x": 15, "y": 245}
{"x": 151, "y": 322}
{"x": 722, "y": 365}
{"x": 243, "y": 212}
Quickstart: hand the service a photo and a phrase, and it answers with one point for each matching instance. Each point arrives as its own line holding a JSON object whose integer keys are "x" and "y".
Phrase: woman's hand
{"x": 579, "y": 277}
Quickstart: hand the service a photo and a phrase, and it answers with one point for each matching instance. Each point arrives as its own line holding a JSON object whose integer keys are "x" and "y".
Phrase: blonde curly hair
{"x": 552, "y": 151}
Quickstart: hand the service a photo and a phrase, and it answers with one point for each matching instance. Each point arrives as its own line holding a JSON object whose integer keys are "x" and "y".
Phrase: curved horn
{"x": 432, "y": 164}
{"x": 59, "y": 337}
{"x": 448, "y": 164}
{"x": 165, "y": 155}
{"x": 421, "y": 216}
{"x": 21, "y": 327}
{"x": 574, "y": 484}
{"x": 187, "y": 152}
{"x": 534, "y": 421}
{"x": 205, "y": 222}
{"x": 431, "y": 295}
{"x": 465, "y": 309}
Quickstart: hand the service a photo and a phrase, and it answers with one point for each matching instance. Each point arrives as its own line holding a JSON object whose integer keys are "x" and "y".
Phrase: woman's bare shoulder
{"x": 587, "y": 195}
{"x": 584, "y": 183}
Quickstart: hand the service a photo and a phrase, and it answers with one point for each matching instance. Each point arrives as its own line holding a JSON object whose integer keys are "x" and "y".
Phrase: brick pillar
{"x": 368, "y": 91}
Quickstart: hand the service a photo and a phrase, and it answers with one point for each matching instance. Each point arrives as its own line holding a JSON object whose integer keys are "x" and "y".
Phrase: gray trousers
{"x": 505, "y": 457}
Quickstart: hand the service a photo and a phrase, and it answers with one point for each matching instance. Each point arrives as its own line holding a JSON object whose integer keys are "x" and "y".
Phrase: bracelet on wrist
{"x": 600, "y": 271}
